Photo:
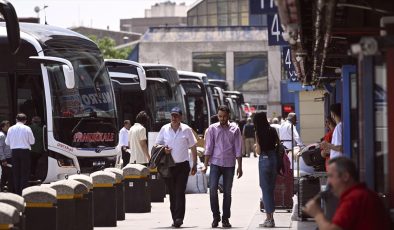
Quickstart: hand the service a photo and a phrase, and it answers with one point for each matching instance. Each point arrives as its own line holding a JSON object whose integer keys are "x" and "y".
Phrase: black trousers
{"x": 6, "y": 176}
{"x": 20, "y": 169}
{"x": 176, "y": 185}
{"x": 125, "y": 157}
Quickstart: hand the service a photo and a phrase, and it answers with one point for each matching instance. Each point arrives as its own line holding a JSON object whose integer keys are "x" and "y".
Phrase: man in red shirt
{"x": 358, "y": 208}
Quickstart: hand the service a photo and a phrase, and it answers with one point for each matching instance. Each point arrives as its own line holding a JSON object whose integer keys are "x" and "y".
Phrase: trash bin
{"x": 66, "y": 203}
{"x": 17, "y": 202}
{"x": 119, "y": 187}
{"x": 41, "y": 209}
{"x": 9, "y": 216}
{"x": 104, "y": 199}
{"x": 137, "y": 190}
{"x": 85, "y": 222}
{"x": 157, "y": 186}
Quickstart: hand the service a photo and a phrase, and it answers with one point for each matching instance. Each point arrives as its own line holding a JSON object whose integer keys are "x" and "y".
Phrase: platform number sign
{"x": 275, "y": 31}
{"x": 262, "y": 6}
{"x": 288, "y": 64}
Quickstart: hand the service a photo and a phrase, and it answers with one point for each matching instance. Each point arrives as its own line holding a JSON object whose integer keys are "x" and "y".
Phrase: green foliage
{"x": 107, "y": 47}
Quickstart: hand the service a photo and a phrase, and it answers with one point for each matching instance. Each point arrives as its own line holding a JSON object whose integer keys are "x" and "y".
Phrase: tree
{"x": 107, "y": 47}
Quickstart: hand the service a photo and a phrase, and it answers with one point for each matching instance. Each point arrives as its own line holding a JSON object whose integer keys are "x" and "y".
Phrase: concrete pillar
{"x": 230, "y": 69}
{"x": 274, "y": 77}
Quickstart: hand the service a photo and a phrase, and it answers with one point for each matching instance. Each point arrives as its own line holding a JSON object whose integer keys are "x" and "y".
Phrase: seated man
{"x": 358, "y": 208}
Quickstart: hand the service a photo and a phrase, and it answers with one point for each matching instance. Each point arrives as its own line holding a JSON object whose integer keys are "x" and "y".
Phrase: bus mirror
{"x": 68, "y": 69}
{"x": 69, "y": 77}
{"x": 142, "y": 77}
{"x": 12, "y": 25}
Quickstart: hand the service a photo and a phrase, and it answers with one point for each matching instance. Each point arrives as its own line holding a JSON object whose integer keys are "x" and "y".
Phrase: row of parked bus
{"x": 61, "y": 76}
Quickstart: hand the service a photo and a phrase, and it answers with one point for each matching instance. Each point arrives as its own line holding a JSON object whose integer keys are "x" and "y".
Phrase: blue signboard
{"x": 288, "y": 64}
{"x": 262, "y": 6}
{"x": 275, "y": 31}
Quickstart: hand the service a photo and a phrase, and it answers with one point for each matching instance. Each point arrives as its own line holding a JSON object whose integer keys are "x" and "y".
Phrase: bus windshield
{"x": 85, "y": 114}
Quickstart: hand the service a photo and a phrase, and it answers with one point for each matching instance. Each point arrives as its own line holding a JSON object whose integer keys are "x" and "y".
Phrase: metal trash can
{"x": 17, "y": 202}
{"x": 157, "y": 186}
{"x": 66, "y": 203}
{"x": 104, "y": 199}
{"x": 41, "y": 209}
{"x": 137, "y": 190}
{"x": 119, "y": 187}
{"x": 9, "y": 216}
{"x": 84, "y": 222}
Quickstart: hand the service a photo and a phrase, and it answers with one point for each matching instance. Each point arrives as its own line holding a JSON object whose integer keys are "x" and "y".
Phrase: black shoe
{"x": 177, "y": 223}
{"x": 226, "y": 223}
{"x": 215, "y": 223}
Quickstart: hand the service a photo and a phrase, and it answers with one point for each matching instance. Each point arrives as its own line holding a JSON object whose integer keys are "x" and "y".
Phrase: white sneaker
{"x": 267, "y": 224}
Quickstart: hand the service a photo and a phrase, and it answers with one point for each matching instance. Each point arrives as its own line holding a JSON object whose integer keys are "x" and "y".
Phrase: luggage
{"x": 308, "y": 187}
{"x": 283, "y": 193}
{"x": 312, "y": 157}
{"x": 197, "y": 183}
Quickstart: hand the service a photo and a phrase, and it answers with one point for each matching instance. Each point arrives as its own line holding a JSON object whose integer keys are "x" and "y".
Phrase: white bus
{"x": 59, "y": 75}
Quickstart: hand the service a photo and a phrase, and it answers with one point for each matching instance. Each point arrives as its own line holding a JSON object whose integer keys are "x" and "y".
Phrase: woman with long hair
{"x": 266, "y": 139}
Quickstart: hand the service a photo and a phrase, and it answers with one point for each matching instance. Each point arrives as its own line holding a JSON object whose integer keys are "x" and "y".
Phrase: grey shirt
{"x": 5, "y": 151}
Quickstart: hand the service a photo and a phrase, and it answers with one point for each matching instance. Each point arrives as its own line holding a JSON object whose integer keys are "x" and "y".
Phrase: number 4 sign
{"x": 288, "y": 64}
{"x": 275, "y": 31}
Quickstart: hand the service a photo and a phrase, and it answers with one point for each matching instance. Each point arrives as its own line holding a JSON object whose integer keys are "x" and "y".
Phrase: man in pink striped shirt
{"x": 222, "y": 148}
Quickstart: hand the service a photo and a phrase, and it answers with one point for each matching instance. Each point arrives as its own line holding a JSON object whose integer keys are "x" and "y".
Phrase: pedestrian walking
{"x": 335, "y": 147}
{"x": 37, "y": 148}
{"x": 275, "y": 124}
{"x": 359, "y": 207}
{"x": 6, "y": 159}
{"x": 138, "y": 146}
{"x": 285, "y": 132}
{"x": 267, "y": 139}
{"x": 124, "y": 141}
{"x": 177, "y": 139}
{"x": 248, "y": 134}
{"x": 223, "y": 148}
{"x": 20, "y": 138}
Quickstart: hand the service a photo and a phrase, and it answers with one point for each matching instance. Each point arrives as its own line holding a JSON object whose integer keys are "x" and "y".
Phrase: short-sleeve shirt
{"x": 137, "y": 133}
{"x": 180, "y": 141}
{"x": 336, "y": 140}
{"x": 360, "y": 208}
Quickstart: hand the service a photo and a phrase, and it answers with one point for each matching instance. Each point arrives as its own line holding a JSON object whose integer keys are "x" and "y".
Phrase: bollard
{"x": 85, "y": 222}
{"x": 137, "y": 190}
{"x": 119, "y": 187}
{"x": 157, "y": 186}
{"x": 104, "y": 199}
{"x": 65, "y": 203}
{"x": 9, "y": 216}
{"x": 17, "y": 202}
{"x": 41, "y": 209}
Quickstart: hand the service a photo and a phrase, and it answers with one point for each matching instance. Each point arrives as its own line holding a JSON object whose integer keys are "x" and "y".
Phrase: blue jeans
{"x": 267, "y": 174}
{"x": 228, "y": 176}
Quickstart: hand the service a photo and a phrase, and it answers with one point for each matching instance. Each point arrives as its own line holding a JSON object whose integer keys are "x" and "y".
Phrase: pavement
{"x": 245, "y": 213}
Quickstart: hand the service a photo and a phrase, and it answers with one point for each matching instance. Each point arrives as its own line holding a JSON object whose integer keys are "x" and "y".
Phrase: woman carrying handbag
{"x": 266, "y": 141}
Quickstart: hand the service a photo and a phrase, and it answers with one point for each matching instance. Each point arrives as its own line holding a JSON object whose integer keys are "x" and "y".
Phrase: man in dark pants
{"x": 124, "y": 141}
{"x": 178, "y": 138}
{"x": 20, "y": 138}
{"x": 6, "y": 159}
{"x": 223, "y": 146}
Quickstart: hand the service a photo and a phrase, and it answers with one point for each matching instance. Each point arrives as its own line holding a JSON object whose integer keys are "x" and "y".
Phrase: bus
{"x": 200, "y": 105}
{"x": 60, "y": 76}
{"x": 162, "y": 93}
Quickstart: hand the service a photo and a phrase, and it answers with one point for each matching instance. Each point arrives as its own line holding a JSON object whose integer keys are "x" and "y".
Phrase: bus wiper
{"x": 90, "y": 117}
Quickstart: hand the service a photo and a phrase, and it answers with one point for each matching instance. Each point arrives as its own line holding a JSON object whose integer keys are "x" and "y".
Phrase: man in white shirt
{"x": 335, "y": 146}
{"x": 275, "y": 124}
{"x": 20, "y": 138}
{"x": 285, "y": 132}
{"x": 138, "y": 146}
{"x": 124, "y": 141}
{"x": 178, "y": 138}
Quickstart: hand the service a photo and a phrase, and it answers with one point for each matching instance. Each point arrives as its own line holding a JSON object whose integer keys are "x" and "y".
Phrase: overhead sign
{"x": 275, "y": 31}
{"x": 262, "y": 6}
{"x": 288, "y": 64}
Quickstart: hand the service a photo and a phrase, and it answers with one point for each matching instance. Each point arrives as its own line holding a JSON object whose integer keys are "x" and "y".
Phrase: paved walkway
{"x": 245, "y": 209}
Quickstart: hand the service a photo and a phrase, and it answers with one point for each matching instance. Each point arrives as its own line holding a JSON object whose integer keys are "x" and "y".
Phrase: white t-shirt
{"x": 20, "y": 136}
{"x": 180, "y": 141}
{"x": 336, "y": 140}
{"x": 137, "y": 133}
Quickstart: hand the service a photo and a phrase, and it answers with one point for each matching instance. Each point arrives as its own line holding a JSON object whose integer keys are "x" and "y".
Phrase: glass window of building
{"x": 233, "y": 20}
{"x": 202, "y": 8}
{"x": 212, "y": 20}
{"x": 212, "y": 8}
{"x": 233, "y": 6}
{"x": 222, "y": 7}
{"x": 201, "y": 21}
{"x": 212, "y": 64}
{"x": 250, "y": 71}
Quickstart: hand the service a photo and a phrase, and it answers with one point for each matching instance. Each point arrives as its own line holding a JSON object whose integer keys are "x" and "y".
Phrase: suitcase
{"x": 308, "y": 187}
{"x": 197, "y": 183}
{"x": 283, "y": 193}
